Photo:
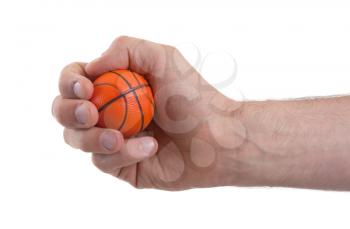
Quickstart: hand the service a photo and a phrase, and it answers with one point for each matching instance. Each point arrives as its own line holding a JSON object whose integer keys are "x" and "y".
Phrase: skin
{"x": 199, "y": 137}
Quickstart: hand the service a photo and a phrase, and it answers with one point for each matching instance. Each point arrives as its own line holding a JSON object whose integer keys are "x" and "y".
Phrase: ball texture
{"x": 124, "y": 100}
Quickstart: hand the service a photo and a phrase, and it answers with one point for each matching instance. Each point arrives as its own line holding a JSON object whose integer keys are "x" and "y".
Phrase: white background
{"x": 283, "y": 49}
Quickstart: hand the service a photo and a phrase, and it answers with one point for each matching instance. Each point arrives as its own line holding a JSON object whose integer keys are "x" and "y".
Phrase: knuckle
{"x": 66, "y": 78}
{"x": 60, "y": 117}
{"x": 67, "y": 68}
{"x": 58, "y": 114}
{"x": 53, "y": 106}
{"x": 84, "y": 145}
{"x": 66, "y": 136}
{"x": 98, "y": 161}
{"x": 170, "y": 48}
{"x": 121, "y": 39}
{"x": 62, "y": 86}
{"x": 73, "y": 65}
{"x": 72, "y": 68}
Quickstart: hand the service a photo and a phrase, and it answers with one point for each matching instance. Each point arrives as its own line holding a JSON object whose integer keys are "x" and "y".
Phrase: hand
{"x": 200, "y": 138}
{"x": 189, "y": 143}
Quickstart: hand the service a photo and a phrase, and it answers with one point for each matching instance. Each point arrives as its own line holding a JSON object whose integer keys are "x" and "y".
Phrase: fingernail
{"x": 82, "y": 114}
{"x": 78, "y": 90}
{"x": 109, "y": 140}
{"x": 147, "y": 146}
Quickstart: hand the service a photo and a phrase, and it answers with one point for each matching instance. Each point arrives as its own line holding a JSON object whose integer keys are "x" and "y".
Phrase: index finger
{"x": 74, "y": 83}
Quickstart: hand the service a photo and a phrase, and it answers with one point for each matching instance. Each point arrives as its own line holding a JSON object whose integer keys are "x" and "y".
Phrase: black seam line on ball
{"x": 111, "y": 85}
{"x": 125, "y": 114}
{"x": 137, "y": 164}
{"x": 136, "y": 97}
{"x": 106, "y": 84}
{"x": 125, "y": 102}
{"x": 121, "y": 95}
{"x": 138, "y": 82}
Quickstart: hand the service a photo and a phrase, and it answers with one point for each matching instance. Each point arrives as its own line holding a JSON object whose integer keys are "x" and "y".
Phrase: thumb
{"x": 131, "y": 53}
{"x": 110, "y": 60}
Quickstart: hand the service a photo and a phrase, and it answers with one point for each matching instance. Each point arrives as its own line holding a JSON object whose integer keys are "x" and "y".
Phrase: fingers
{"x": 135, "y": 54}
{"x": 97, "y": 140}
{"x": 74, "y": 83}
{"x": 74, "y": 113}
{"x": 133, "y": 150}
{"x": 110, "y": 150}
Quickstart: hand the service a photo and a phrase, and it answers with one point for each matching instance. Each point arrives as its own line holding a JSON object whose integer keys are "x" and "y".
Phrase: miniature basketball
{"x": 124, "y": 100}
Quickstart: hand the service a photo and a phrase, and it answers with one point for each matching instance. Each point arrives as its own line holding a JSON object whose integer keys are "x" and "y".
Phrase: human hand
{"x": 189, "y": 143}
{"x": 200, "y": 138}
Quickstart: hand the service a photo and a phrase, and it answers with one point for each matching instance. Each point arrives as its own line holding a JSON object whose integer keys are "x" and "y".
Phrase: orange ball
{"x": 124, "y": 101}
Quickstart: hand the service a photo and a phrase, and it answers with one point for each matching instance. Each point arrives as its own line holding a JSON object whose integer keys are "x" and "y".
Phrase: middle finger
{"x": 75, "y": 113}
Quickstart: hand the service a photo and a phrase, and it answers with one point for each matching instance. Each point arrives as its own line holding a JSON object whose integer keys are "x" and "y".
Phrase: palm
{"x": 173, "y": 167}
{"x": 167, "y": 168}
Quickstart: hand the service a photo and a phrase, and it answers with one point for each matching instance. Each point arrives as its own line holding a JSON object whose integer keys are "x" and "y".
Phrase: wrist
{"x": 257, "y": 137}
{"x": 228, "y": 129}
{"x": 264, "y": 145}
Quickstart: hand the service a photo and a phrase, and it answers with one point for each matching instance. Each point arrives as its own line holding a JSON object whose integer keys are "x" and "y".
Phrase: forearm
{"x": 303, "y": 143}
